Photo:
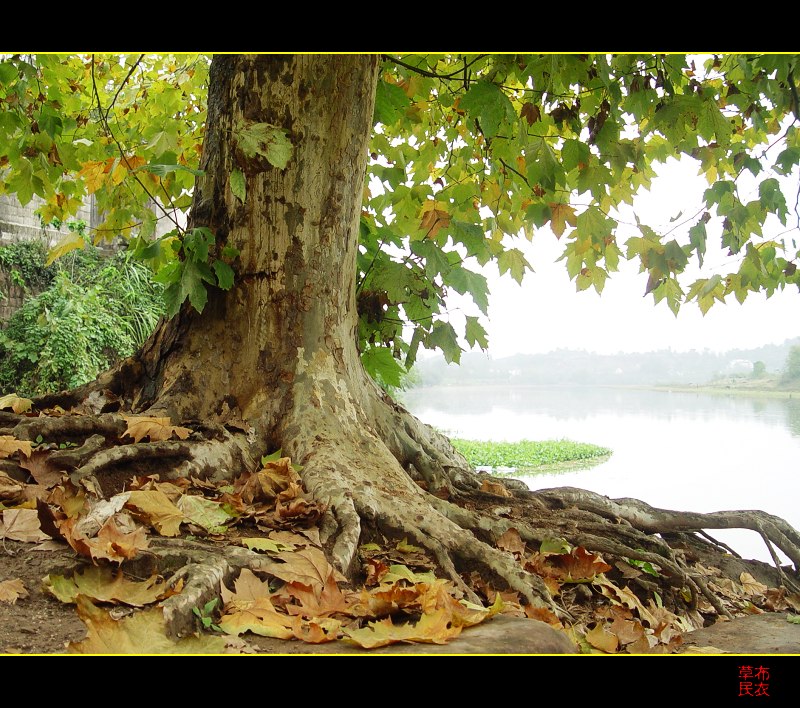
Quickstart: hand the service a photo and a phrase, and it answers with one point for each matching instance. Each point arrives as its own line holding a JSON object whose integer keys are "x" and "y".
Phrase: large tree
{"x": 337, "y": 201}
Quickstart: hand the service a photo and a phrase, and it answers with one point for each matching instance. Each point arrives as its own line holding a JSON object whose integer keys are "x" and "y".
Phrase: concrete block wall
{"x": 21, "y": 223}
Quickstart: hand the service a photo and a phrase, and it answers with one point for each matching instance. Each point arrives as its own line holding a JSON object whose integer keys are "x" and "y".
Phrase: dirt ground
{"x": 39, "y": 623}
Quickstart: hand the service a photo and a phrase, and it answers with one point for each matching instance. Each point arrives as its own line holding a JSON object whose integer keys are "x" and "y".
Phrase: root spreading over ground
{"x": 367, "y": 480}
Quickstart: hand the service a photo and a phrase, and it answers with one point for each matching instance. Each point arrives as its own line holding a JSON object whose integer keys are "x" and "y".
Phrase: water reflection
{"x": 689, "y": 451}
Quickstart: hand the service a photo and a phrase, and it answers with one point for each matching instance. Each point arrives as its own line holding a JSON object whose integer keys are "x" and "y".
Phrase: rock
{"x": 768, "y": 633}
{"x": 500, "y": 635}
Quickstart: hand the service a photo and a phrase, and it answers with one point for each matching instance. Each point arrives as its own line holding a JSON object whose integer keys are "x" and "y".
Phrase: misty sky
{"x": 546, "y": 312}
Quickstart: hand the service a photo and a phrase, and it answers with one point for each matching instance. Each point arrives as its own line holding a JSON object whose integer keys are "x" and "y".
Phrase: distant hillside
{"x": 567, "y": 366}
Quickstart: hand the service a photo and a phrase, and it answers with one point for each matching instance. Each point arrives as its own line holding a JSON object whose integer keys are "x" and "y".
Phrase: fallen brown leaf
{"x": 157, "y": 429}
{"x": 16, "y": 403}
{"x": 9, "y": 445}
{"x": 12, "y": 590}
{"x": 22, "y": 525}
{"x": 512, "y": 542}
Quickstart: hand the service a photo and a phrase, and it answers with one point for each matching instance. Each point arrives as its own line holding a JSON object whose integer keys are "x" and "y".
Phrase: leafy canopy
{"x": 469, "y": 152}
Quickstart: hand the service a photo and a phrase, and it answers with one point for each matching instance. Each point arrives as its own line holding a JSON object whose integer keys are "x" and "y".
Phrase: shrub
{"x": 96, "y": 311}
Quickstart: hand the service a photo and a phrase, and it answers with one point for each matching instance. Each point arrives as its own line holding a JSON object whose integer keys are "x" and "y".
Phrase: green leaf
{"x": 444, "y": 337}
{"x": 382, "y": 366}
{"x": 266, "y": 140}
{"x": 543, "y": 165}
{"x": 51, "y": 123}
{"x": 390, "y": 103}
{"x": 162, "y": 170}
{"x": 574, "y": 153}
{"x": 489, "y": 105}
{"x": 8, "y": 72}
{"x": 513, "y": 260}
{"x": 466, "y": 281}
{"x": 238, "y": 186}
{"x": 794, "y": 619}
{"x": 475, "y": 333}
{"x": 224, "y": 274}
{"x": 197, "y": 242}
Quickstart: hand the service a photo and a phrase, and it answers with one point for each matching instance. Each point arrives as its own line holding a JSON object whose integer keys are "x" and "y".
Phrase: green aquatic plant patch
{"x": 527, "y": 454}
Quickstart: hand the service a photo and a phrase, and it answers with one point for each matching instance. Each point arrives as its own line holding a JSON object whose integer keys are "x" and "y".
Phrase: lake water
{"x": 673, "y": 450}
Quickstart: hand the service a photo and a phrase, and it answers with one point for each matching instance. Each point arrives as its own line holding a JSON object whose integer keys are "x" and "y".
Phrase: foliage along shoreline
{"x": 528, "y": 457}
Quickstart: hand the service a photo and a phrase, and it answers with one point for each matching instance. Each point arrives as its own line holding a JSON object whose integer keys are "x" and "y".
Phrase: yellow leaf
{"x": 9, "y": 445}
{"x": 263, "y": 544}
{"x": 156, "y": 429}
{"x": 70, "y": 242}
{"x": 436, "y": 628}
{"x": 156, "y": 508}
{"x": 433, "y": 219}
{"x": 308, "y": 567}
{"x": 405, "y": 547}
{"x": 751, "y": 586}
{"x": 22, "y": 525}
{"x": 561, "y": 215}
{"x": 12, "y": 590}
{"x": 94, "y": 174}
{"x": 106, "y": 585}
{"x": 602, "y": 639}
{"x": 316, "y": 631}
{"x": 16, "y": 403}
{"x": 118, "y": 173}
{"x": 139, "y": 633}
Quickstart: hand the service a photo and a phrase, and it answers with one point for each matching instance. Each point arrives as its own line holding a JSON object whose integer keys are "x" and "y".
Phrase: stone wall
{"x": 20, "y": 223}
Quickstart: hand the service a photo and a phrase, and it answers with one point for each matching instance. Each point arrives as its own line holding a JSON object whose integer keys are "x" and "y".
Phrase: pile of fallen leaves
{"x": 288, "y": 590}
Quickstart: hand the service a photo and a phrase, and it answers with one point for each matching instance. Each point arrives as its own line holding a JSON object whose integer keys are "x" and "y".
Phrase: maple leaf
{"x": 15, "y": 403}
{"x": 579, "y": 565}
{"x": 316, "y": 631}
{"x": 248, "y": 608}
{"x": 106, "y": 585}
{"x": 263, "y": 544}
{"x": 11, "y": 490}
{"x": 623, "y": 596}
{"x": 156, "y": 429}
{"x": 751, "y": 586}
{"x": 496, "y": 488}
{"x": 600, "y": 638}
{"x": 265, "y": 485}
{"x": 118, "y": 545}
{"x": 433, "y": 219}
{"x": 436, "y": 628}
{"x": 205, "y": 513}
{"x": 111, "y": 543}
{"x": 12, "y": 590}
{"x": 530, "y": 113}
{"x": 9, "y": 445}
{"x": 40, "y": 470}
{"x": 318, "y": 602}
{"x": 307, "y": 566}
{"x": 560, "y": 216}
{"x": 627, "y": 630}
{"x": 543, "y": 615}
{"x": 22, "y": 525}
{"x": 139, "y": 633}
{"x": 155, "y": 507}
{"x": 512, "y": 542}
{"x": 297, "y": 512}
{"x": 260, "y": 618}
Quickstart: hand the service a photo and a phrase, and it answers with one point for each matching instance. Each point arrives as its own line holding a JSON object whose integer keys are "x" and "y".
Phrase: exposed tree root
{"x": 379, "y": 470}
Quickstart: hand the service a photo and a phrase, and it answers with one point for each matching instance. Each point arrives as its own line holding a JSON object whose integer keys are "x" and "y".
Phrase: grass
{"x": 530, "y": 455}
